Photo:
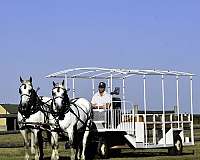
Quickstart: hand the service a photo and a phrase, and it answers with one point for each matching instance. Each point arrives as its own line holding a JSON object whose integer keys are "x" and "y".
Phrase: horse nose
{"x": 23, "y": 106}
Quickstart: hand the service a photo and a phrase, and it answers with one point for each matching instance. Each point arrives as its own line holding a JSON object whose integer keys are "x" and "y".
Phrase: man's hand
{"x": 108, "y": 105}
{"x": 99, "y": 107}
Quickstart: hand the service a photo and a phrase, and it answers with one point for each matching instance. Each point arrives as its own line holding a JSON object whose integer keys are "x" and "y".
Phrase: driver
{"x": 101, "y": 99}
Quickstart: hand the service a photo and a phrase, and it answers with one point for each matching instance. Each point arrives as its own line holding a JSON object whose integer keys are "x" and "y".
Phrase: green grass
{"x": 161, "y": 154}
{"x": 189, "y": 153}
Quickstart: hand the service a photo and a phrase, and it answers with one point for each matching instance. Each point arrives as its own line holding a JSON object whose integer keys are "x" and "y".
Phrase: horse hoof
{"x": 37, "y": 158}
{"x": 26, "y": 157}
{"x": 55, "y": 158}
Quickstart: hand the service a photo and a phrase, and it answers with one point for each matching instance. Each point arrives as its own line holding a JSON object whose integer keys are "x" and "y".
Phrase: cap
{"x": 102, "y": 85}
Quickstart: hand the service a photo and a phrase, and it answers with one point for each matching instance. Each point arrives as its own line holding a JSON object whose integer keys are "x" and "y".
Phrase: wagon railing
{"x": 134, "y": 124}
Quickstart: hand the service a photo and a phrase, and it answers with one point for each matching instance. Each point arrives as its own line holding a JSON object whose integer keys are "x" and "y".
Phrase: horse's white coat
{"x": 71, "y": 123}
{"x": 37, "y": 117}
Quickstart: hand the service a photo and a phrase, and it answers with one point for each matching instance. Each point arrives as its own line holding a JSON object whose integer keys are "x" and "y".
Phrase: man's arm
{"x": 95, "y": 106}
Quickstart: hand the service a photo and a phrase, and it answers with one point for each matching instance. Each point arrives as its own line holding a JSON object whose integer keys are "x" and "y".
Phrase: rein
{"x": 78, "y": 116}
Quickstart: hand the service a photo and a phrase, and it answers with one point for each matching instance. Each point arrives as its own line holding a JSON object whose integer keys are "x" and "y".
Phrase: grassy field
{"x": 189, "y": 153}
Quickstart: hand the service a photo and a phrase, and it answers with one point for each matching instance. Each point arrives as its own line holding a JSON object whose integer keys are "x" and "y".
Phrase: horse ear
{"x": 20, "y": 91}
{"x": 54, "y": 84}
{"x": 30, "y": 79}
{"x": 63, "y": 83}
{"x": 21, "y": 80}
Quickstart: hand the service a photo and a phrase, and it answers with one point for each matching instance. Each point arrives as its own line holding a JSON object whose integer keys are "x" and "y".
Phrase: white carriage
{"x": 122, "y": 125}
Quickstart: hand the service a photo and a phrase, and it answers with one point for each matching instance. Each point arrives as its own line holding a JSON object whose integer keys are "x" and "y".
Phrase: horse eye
{"x": 24, "y": 86}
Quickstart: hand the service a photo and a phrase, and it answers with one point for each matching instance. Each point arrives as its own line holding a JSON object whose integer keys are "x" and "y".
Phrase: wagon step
{"x": 131, "y": 141}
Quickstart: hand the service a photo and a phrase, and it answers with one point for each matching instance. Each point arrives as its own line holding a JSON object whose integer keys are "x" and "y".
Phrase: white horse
{"x": 72, "y": 118}
{"x": 31, "y": 116}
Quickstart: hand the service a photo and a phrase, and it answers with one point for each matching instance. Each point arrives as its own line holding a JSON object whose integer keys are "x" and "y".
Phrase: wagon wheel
{"x": 103, "y": 148}
{"x": 178, "y": 146}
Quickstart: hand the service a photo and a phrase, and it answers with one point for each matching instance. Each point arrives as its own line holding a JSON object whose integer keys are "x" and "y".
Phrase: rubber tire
{"x": 103, "y": 148}
{"x": 178, "y": 146}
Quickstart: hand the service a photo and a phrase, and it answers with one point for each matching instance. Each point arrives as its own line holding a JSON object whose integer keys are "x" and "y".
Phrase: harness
{"x": 34, "y": 105}
{"x": 67, "y": 109}
{"x": 78, "y": 116}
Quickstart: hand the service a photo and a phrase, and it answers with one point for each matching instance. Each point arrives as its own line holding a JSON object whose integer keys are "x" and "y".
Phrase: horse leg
{"x": 79, "y": 150}
{"x": 70, "y": 132}
{"x": 32, "y": 143}
{"x": 35, "y": 132}
{"x": 84, "y": 142}
{"x": 26, "y": 143}
{"x": 40, "y": 143}
{"x": 54, "y": 144}
{"x": 77, "y": 144}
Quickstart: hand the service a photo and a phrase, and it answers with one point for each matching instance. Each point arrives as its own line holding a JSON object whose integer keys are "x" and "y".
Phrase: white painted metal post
{"x": 66, "y": 82}
{"x": 123, "y": 101}
{"x": 133, "y": 121}
{"x": 171, "y": 120}
{"x": 191, "y": 105}
{"x": 154, "y": 129}
{"x": 177, "y": 99}
{"x": 93, "y": 87}
{"x": 163, "y": 104}
{"x": 145, "y": 109}
{"x": 108, "y": 114}
{"x": 73, "y": 88}
{"x": 182, "y": 125}
{"x": 111, "y": 88}
{"x": 123, "y": 93}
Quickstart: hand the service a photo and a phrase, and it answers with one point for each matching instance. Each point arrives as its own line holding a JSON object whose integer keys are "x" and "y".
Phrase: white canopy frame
{"x": 104, "y": 73}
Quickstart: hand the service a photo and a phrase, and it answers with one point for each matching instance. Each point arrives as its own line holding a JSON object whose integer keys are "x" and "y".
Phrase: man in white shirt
{"x": 101, "y": 99}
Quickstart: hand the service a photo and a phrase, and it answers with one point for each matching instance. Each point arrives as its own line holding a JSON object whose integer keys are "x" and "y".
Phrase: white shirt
{"x": 99, "y": 100}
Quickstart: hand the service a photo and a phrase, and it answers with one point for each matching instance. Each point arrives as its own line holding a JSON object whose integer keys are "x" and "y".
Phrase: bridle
{"x": 65, "y": 103}
{"x": 32, "y": 105}
{"x": 20, "y": 92}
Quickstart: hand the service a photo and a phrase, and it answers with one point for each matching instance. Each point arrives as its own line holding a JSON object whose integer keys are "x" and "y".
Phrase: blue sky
{"x": 41, "y": 37}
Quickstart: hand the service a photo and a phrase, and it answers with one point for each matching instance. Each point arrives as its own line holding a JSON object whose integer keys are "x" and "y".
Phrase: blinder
{"x": 65, "y": 103}
{"x": 32, "y": 105}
